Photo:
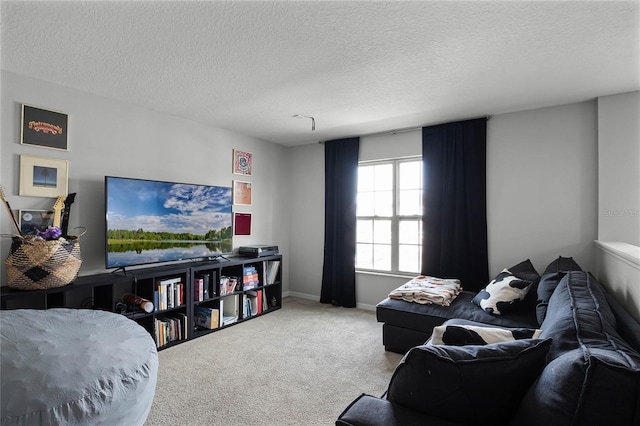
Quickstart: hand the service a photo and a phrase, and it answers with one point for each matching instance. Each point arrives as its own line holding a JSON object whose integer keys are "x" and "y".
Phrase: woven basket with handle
{"x": 36, "y": 264}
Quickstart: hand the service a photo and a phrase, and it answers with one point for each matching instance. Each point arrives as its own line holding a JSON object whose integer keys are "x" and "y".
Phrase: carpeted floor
{"x": 300, "y": 365}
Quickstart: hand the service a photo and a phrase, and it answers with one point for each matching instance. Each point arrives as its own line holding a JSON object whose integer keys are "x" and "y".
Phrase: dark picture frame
{"x": 44, "y": 128}
{"x": 32, "y": 220}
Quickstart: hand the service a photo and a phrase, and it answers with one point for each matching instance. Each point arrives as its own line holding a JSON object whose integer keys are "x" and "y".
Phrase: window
{"x": 389, "y": 216}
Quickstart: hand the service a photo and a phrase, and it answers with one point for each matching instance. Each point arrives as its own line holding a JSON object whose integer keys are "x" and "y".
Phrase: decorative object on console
{"x": 44, "y": 128}
{"x": 43, "y": 177}
{"x": 43, "y": 261}
{"x": 242, "y": 162}
{"x": 32, "y": 221}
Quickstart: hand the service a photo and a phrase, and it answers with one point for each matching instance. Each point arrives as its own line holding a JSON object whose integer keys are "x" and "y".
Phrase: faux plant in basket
{"x": 43, "y": 261}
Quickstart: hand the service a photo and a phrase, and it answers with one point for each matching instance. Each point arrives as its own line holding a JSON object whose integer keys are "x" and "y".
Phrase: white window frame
{"x": 395, "y": 219}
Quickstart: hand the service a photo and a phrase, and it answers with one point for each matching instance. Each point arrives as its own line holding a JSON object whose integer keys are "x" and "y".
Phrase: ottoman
{"x": 75, "y": 366}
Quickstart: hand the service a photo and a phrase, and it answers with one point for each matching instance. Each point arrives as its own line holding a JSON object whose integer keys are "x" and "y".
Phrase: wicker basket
{"x": 35, "y": 264}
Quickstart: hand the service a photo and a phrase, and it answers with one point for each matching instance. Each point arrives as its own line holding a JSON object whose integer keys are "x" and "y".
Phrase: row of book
{"x": 169, "y": 329}
{"x": 271, "y": 270}
{"x": 250, "y": 279}
{"x": 228, "y": 309}
{"x": 169, "y": 294}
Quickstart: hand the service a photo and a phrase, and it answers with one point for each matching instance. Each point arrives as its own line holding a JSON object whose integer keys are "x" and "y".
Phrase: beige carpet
{"x": 300, "y": 365}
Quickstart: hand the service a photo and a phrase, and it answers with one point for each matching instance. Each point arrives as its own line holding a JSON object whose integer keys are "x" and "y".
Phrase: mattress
{"x": 76, "y": 367}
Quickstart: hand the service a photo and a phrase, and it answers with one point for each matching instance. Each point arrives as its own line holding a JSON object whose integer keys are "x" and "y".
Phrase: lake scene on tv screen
{"x": 151, "y": 221}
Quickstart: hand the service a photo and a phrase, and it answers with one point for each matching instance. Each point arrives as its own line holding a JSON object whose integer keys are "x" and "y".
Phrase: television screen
{"x": 150, "y": 221}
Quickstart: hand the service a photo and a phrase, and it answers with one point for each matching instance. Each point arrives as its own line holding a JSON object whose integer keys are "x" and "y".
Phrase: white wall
{"x": 541, "y": 191}
{"x": 618, "y": 256}
{"x": 107, "y": 137}
{"x": 619, "y": 168}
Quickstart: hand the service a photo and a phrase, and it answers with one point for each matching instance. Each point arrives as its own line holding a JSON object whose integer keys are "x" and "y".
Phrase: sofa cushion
{"x": 579, "y": 315}
{"x": 503, "y": 293}
{"x": 459, "y": 335}
{"x": 551, "y": 276}
{"x": 474, "y": 384}
{"x": 586, "y": 387}
{"x": 526, "y": 271}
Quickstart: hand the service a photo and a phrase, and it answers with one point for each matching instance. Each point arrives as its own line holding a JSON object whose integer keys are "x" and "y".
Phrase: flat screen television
{"x": 151, "y": 221}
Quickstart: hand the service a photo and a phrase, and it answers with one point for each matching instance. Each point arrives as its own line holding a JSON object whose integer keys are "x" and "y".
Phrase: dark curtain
{"x": 340, "y": 188}
{"x": 454, "y": 199}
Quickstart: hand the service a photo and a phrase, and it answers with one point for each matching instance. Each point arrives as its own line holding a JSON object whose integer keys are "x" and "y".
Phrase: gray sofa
{"x": 582, "y": 369}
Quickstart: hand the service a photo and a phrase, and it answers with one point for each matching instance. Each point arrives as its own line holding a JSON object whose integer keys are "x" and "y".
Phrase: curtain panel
{"x": 454, "y": 198}
{"x": 341, "y": 178}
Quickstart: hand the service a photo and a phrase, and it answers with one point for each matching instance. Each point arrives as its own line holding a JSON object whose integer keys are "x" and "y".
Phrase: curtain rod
{"x": 410, "y": 129}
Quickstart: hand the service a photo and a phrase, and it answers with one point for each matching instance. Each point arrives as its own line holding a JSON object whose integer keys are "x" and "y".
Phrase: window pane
{"x": 365, "y": 178}
{"x": 384, "y": 203}
{"x": 383, "y": 177}
{"x": 410, "y": 202}
{"x": 382, "y": 257}
{"x": 382, "y": 232}
{"x": 410, "y": 175}
{"x": 409, "y": 258}
{"x": 409, "y": 232}
{"x": 364, "y": 231}
{"x": 364, "y": 256}
{"x": 365, "y": 204}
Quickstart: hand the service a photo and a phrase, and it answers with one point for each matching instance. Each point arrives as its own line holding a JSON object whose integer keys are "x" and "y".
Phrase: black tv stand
{"x": 174, "y": 321}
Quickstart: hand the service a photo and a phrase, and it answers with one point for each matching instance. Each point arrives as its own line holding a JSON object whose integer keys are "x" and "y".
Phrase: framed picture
{"x": 43, "y": 177}
{"x": 242, "y": 223}
{"x": 41, "y": 127}
{"x": 241, "y": 193}
{"x": 34, "y": 220}
{"x": 242, "y": 162}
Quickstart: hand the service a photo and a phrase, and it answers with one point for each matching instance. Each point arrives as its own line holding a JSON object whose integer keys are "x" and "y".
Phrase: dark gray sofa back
{"x": 593, "y": 375}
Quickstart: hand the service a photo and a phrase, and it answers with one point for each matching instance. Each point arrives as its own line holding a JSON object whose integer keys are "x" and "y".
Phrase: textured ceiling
{"x": 357, "y": 67}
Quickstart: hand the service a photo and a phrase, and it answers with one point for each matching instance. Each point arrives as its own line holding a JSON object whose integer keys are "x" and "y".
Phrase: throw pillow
{"x": 488, "y": 381}
{"x": 552, "y": 275}
{"x": 459, "y": 335}
{"x": 501, "y": 294}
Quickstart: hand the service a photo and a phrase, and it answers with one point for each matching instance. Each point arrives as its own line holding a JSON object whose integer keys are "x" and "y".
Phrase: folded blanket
{"x": 428, "y": 290}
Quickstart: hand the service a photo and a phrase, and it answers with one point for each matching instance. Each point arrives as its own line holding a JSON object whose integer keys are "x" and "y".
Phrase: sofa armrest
{"x": 368, "y": 410}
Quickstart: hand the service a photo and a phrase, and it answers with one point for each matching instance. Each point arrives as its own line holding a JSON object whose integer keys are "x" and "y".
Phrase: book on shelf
{"x": 250, "y": 278}
{"x": 272, "y": 267}
{"x": 206, "y": 317}
{"x": 227, "y": 285}
{"x": 170, "y": 329}
{"x": 170, "y": 293}
{"x": 230, "y": 309}
{"x": 198, "y": 289}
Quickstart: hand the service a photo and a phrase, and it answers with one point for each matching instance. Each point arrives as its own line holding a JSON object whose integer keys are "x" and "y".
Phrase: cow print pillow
{"x": 503, "y": 293}
{"x": 460, "y": 335}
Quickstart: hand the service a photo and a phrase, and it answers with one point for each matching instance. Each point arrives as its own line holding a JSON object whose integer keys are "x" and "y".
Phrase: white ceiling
{"x": 357, "y": 67}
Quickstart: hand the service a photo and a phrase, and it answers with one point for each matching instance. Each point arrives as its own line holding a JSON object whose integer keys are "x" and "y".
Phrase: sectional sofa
{"x": 566, "y": 353}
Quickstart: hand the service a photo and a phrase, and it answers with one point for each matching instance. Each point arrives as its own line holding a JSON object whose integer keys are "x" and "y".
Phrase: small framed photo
{"x": 242, "y": 223}
{"x": 241, "y": 193}
{"x": 35, "y": 220}
{"x": 43, "y": 177}
{"x": 44, "y": 128}
{"x": 242, "y": 162}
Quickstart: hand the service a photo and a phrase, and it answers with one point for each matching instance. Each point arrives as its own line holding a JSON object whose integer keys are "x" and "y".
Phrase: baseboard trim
{"x": 316, "y": 298}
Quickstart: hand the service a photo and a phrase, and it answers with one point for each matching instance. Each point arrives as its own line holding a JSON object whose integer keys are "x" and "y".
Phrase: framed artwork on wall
{"x": 242, "y": 162}
{"x": 35, "y": 220}
{"x": 43, "y": 177}
{"x": 241, "y": 193}
{"x": 44, "y": 128}
{"x": 242, "y": 223}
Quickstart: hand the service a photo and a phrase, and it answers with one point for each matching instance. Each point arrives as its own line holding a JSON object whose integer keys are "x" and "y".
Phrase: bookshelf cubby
{"x": 173, "y": 319}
